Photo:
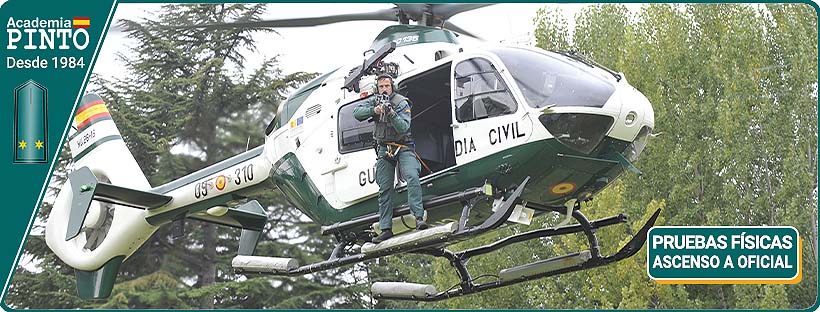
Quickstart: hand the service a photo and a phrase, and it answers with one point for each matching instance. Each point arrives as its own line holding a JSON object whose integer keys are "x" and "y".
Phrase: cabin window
{"x": 354, "y": 135}
{"x": 480, "y": 92}
{"x": 547, "y": 79}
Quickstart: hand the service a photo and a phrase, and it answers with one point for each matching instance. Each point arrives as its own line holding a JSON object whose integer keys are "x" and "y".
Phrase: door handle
{"x": 335, "y": 168}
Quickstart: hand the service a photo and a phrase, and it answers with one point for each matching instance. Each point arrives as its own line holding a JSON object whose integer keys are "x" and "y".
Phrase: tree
{"x": 551, "y": 29}
{"x": 738, "y": 123}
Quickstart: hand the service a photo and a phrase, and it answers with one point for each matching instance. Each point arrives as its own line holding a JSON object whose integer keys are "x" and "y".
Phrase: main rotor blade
{"x": 454, "y": 27}
{"x": 380, "y": 15}
{"x": 447, "y": 10}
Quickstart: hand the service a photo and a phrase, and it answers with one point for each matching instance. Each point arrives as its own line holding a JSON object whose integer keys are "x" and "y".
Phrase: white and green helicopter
{"x": 507, "y": 133}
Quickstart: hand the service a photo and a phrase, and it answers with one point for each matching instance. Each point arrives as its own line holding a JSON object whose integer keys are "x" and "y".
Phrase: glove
{"x": 391, "y": 113}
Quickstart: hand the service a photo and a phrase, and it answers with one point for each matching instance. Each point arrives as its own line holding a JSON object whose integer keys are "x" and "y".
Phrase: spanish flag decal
{"x": 220, "y": 183}
{"x": 81, "y": 22}
{"x": 90, "y": 113}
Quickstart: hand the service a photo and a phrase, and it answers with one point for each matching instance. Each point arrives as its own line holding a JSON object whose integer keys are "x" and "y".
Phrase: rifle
{"x": 383, "y": 100}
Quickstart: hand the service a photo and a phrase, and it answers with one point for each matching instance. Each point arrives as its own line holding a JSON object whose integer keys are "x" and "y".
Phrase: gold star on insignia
{"x": 22, "y": 144}
{"x": 38, "y": 144}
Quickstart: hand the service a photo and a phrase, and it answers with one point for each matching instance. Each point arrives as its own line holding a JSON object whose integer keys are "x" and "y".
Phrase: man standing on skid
{"x": 395, "y": 147}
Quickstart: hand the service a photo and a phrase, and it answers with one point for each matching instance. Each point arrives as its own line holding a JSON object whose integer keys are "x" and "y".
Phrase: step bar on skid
{"x": 433, "y": 240}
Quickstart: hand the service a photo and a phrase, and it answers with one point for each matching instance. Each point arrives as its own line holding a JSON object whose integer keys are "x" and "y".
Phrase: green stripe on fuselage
{"x": 542, "y": 161}
{"x": 222, "y": 199}
{"x": 95, "y": 144}
{"x": 538, "y": 160}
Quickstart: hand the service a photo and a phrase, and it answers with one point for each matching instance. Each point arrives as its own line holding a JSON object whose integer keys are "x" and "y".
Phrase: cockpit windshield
{"x": 548, "y": 79}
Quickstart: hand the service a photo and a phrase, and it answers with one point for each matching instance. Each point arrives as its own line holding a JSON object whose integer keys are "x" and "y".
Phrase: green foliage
{"x": 600, "y": 33}
{"x": 49, "y": 287}
{"x": 551, "y": 29}
{"x": 187, "y": 89}
{"x": 158, "y": 289}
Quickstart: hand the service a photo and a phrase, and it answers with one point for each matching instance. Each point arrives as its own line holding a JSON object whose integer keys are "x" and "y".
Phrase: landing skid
{"x": 578, "y": 261}
{"x": 433, "y": 241}
{"x": 433, "y": 237}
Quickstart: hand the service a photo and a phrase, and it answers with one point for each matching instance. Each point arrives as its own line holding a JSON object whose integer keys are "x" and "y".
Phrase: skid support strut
{"x": 559, "y": 265}
{"x": 439, "y": 236}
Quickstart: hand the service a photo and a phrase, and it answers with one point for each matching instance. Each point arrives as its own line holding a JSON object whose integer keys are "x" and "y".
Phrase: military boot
{"x": 386, "y": 234}
{"x": 421, "y": 225}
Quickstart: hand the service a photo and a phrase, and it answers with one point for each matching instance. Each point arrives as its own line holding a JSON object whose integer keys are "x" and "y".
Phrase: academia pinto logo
{"x": 40, "y": 43}
{"x": 48, "y": 34}
{"x": 724, "y": 255}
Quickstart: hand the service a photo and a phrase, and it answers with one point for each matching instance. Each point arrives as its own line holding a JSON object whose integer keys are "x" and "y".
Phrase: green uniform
{"x": 395, "y": 129}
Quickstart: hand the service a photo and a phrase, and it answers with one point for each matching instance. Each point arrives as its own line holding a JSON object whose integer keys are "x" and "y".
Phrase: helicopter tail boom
{"x": 93, "y": 226}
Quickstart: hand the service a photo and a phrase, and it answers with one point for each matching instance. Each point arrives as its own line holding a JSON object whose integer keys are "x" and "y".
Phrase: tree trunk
{"x": 208, "y": 274}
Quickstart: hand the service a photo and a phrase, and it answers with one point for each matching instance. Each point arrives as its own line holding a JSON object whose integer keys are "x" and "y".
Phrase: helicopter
{"x": 506, "y": 134}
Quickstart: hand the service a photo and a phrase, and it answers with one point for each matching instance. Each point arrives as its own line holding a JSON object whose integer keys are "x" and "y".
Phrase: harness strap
{"x": 398, "y": 148}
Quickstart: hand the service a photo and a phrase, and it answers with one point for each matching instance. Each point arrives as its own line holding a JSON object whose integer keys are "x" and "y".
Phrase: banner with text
{"x": 724, "y": 255}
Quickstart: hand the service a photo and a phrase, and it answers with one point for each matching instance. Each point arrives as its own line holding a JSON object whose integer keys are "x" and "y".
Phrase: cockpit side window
{"x": 480, "y": 92}
{"x": 354, "y": 135}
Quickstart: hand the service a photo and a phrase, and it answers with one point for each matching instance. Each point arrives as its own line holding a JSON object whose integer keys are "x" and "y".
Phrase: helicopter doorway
{"x": 432, "y": 115}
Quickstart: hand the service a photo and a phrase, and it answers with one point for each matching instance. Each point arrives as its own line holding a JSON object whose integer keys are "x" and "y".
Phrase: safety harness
{"x": 394, "y": 148}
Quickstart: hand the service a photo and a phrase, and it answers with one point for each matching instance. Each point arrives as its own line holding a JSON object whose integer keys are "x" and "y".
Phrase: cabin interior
{"x": 429, "y": 93}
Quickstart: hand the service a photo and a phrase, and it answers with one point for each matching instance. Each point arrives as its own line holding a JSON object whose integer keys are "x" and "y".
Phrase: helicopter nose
{"x": 579, "y": 131}
{"x": 628, "y": 117}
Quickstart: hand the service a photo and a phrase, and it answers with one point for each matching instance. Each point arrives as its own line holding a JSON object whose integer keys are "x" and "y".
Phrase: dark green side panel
{"x": 412, "y": 34}
{"x": 98, "y": 284}
{"x": 291, "y": 178}
{"x": 547, "y": 163}
{"x": 249, "y": 215}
